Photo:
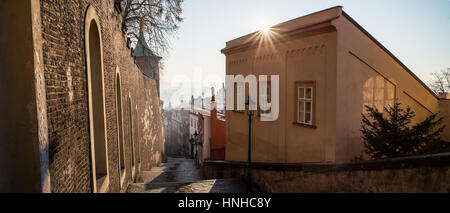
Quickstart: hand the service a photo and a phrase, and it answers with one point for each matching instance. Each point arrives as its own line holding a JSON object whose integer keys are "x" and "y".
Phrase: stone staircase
{"x": 180, "y": 175}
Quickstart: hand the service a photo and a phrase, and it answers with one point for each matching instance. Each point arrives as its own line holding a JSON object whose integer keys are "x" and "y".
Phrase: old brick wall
{"x": 419, "y": 174}
{"x": 67, "y": 101}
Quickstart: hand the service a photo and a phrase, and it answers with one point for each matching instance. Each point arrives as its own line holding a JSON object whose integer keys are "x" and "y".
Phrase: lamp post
{"x": 250, "y": 114}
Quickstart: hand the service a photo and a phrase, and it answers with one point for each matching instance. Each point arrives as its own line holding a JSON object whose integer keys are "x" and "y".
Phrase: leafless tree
{"x": 158, "y": 20}
{"x": 441, "y": 81}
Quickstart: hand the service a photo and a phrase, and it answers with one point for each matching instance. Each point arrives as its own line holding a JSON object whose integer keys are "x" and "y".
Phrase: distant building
{"x": 209, "y": 125}
{"x": 204, "y": 143}
{"x": 177, "y": 132}
{"x": 220, "y": 100}
{"x": 197, "y": 128}
{"x": 202, "y": 102}
{"x": 329, "y": 69}
{"x": 218, "y": 134}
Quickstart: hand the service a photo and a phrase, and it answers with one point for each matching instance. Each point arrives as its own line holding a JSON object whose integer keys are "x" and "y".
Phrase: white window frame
{"x": 305, "y": 100}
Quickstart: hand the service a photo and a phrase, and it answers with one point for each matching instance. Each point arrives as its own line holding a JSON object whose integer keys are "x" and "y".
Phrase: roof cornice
{"x": 287, "y": 30}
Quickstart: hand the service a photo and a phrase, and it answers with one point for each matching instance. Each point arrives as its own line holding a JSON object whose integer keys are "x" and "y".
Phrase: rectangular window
{"x": 305, "y": 102}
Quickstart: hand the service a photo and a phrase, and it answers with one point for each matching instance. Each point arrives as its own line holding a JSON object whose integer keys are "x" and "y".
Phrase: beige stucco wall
{"x": 269, "y": 140}
{"x": 236, "y": 133}
{"x": 315, "y": 62}
{"x": 368, "y": 75}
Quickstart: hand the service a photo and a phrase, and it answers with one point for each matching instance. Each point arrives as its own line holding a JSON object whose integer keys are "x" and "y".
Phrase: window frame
{"x": 312, "y": 100}
{"x": 91, "y": 17}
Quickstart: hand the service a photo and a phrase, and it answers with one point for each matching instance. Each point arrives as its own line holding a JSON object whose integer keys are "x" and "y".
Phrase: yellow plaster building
{"x": 329, "y": 69}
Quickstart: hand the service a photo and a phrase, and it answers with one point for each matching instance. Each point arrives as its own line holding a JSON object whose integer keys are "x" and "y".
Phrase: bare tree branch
{"x": 158, "y": 20}
{"x": 441, "y": 82}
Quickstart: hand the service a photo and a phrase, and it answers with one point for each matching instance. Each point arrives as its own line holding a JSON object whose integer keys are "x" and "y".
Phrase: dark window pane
{"x": 308, "y": 93}
{"x": 308, "y": 118}
{"x": 301, "y": 109}
{"x": 308, "y": 107}
{"x": 301, "y": 93}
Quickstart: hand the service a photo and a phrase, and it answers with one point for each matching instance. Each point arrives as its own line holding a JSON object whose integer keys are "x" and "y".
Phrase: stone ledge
{"x": 436, "y": 160}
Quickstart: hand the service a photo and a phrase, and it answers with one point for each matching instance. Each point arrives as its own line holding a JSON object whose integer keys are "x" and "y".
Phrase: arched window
{"x": 97, "y": 117}
{"x": 136, "y": 127}
{"x": 131, "y": 131}
{"x": 120, "y": 136}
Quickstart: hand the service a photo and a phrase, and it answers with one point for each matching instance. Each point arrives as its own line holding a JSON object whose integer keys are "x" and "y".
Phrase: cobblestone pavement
{"x": 180, "y": 175}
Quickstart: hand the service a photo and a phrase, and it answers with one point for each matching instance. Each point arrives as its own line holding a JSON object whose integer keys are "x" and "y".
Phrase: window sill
{"x": 103, "y": 184}
{"x": 305, "y": 125}
{"x": 133, "y": 173}
{"x": 123, "y": 174}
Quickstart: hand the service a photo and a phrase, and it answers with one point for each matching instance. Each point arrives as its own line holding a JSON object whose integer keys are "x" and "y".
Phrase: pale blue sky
{"x": 416, "y": 31}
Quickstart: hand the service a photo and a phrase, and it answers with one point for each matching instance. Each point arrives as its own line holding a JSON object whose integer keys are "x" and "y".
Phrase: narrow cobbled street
{"x": 181, "y": 175}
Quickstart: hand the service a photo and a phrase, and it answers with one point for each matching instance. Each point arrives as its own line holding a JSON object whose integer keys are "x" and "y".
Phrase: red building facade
{"x": 218, "y": 136}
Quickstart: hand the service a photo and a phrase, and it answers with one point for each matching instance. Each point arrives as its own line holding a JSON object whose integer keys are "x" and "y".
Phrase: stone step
{"x": 204, "y": 186}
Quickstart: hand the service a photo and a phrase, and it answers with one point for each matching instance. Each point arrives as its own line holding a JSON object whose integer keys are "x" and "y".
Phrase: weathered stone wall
{"x": 419, "y": 174}
{"x": 67, "y": 101}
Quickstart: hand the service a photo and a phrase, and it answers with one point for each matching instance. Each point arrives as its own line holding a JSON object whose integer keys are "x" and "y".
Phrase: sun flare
{"x": 264, "y": 27}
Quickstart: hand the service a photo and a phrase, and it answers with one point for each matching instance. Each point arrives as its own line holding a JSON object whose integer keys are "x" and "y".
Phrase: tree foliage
{"x": 391, "y": 134}
{"x": 156, "y": 19}
{"x": 441, "y": 81}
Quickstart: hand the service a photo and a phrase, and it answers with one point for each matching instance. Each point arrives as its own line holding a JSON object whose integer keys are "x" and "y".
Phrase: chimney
{"x": 444, "y": 95}
{"x": 213, "y": 99}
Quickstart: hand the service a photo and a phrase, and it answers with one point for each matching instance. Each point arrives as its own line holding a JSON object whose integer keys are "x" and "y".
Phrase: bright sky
{"x": 416, "y": 31}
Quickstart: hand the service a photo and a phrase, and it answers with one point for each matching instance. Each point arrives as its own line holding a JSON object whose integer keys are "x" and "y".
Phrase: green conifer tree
{"x": 390, "y": 134}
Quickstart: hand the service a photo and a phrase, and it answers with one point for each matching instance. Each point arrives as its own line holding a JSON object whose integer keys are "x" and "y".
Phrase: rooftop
{"x": 310, "y": 21}
{"x": 142, "y": 49}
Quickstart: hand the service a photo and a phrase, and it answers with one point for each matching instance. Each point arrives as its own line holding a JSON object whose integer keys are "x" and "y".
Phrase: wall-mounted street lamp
{"x": 250, "y": 113}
